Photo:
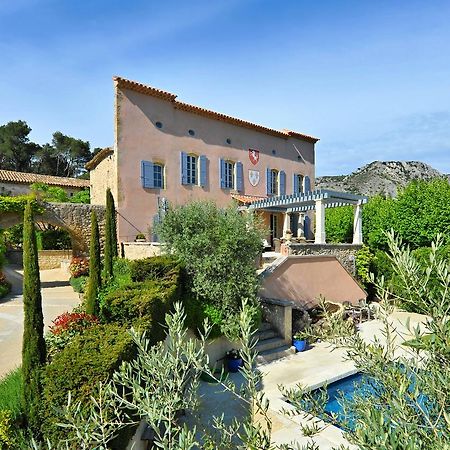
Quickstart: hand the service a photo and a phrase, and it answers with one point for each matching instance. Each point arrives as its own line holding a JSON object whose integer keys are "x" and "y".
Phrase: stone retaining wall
{"x": 345, "y": 253}
{"x": 139, "y": 250}
{"x": 52, "y": 259}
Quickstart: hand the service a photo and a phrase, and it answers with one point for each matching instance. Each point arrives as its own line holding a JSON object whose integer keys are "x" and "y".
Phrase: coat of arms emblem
{"x": 253, "y": 177}
{"x": 253, "y": 156}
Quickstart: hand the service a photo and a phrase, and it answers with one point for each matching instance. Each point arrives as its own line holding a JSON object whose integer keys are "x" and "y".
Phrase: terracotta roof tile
{"x": 10, "y": 176}
{"x": 149, "y": 90}
{"x": 247, "y": 199}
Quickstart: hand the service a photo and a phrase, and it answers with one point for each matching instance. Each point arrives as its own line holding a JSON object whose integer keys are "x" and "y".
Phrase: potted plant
{"x": 300, "y": 341}
{"x": 140, "y": 237}
{"x": 234, "y": 360}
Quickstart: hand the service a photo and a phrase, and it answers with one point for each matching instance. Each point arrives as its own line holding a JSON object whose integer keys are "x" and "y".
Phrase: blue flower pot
{"x": 234, "y": 364}
{"x": 299, "y": 345}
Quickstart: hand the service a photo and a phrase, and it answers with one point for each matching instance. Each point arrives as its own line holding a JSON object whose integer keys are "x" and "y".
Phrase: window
{"x": 158, "y": 125}
{"x": 152, "y": 175}
{"x": 191, "y": 132}
{"x": 229, "y": 175}
{"x": 228, "y": 141}
{"x": 273, "y": 183}
{"x": 191, "y": 173}
{"x": 158, "y": 176}
{"x": 297, "y": 184}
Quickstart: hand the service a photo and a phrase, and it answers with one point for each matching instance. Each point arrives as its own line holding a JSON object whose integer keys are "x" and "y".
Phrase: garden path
{"x": 57, "y": 297}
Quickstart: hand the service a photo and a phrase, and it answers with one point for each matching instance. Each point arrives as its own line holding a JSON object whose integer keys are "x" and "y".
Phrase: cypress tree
{"x": 33, "y": 346}
{"x": 113, "y": 224}
{"x": 110, "y": 235}
{"x": 94, "y": 281}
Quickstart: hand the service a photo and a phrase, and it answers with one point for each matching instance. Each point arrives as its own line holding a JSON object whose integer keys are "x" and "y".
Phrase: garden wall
{"x": 345, "y": 253}
{"x": 48, "y": 259}
{"x": 139, "y": 250}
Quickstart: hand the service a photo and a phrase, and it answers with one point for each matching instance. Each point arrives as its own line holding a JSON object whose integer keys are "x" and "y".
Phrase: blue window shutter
{"x": 268, "y": 181}
{"x": 203, "y": 170}
{"x": 307, "y": 182}
{"x": 295, "y": 189}
{"x": 147, "y": 175}
{"x": 282, "y": 182}
{"x": 239, "y": 177}
{"x": 222, "y": 173}
{"x": 183, "y": 167}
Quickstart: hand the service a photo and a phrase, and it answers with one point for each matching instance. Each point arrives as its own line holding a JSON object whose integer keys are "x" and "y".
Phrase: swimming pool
{"x": 346, "y": 390}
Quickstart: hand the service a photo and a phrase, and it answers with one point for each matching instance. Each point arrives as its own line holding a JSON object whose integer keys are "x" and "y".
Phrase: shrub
{"x": 7, "y": 439}
{"x": 142, "y": 305}
{"x": 5, "y": 285}
{"x": 11, "y": 390}
{"x": 88, "y": 359}
{"x": 65, "y": 327}
{"x": 79, "y": 267}
{"x": 363, "y": 262}
{"x": 79, "y": 284}
{"x": 156, "y": 268}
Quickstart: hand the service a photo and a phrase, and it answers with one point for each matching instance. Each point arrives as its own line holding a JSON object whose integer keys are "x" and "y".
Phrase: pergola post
{"x": 286, "y": 223}
{"x": 357, "y": 225}
{"x": 320, "y": 237}
{"x": 301, "y": 226}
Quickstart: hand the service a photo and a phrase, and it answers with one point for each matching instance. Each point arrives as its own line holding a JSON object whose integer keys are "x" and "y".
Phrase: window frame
{"x": 274, "y": 182}
{"x": 162, "y": 170}
{"x": 192, "y": 175}
{"x": 300, "y": 183}
{"x": 230, "y": 174}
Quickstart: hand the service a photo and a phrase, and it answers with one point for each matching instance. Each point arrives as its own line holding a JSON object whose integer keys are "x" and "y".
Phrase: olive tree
{"x": 219, "y": 248}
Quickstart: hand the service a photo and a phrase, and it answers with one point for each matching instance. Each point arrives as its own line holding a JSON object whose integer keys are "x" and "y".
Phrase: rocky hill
{"x": 379, "y": 177}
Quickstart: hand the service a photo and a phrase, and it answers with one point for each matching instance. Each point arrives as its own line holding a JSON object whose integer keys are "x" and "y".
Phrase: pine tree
{"x": 110, "y": 235}
{"x": 33, "y": 347}
{"x": 94, "y": 281}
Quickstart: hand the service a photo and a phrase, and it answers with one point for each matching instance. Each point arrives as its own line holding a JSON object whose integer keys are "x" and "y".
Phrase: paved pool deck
{"x": 320, "y": 364}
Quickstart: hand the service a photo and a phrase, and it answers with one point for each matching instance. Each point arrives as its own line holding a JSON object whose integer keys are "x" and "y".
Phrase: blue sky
{"x": 370, "y": 78}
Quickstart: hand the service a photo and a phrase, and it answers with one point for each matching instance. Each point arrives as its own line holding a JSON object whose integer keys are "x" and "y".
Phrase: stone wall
{"x": 48, "y": 259}
{"x": 139, "y": 250}
{"x": 75, "y": 218}
{"x": 52, "y": 259}
{"x": 345, "y": 253}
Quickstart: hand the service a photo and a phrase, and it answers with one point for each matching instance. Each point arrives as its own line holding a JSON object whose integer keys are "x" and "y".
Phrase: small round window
{"x": 274, "y": 152}
{"x": 228, "y": 141}
{"x": 191, "y": 132}
{"x": 158, "y": 125}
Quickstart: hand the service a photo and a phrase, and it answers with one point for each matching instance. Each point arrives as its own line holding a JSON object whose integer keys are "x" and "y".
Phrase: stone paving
{"x": 57, "y": 297}
{"x": 319, "y": 364}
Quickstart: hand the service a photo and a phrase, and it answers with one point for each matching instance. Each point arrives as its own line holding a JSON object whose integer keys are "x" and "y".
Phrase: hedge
{"x": 156, "y": 268}
{"x": 88, "y": 359}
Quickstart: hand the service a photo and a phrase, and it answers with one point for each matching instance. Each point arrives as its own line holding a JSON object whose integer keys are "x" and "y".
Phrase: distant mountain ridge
{"x": 379, "y": 177}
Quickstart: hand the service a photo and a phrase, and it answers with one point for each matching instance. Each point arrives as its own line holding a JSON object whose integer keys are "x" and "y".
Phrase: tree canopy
{"x": 65, "y": 156}
{"x": 418, "y": 214}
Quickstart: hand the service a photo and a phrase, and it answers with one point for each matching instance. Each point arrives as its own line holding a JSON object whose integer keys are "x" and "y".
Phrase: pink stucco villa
{"x": 168, "y": 150}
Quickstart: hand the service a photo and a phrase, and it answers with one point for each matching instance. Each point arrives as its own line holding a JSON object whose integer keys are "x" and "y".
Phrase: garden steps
{"x": 267, "y": 356}
{"x": 270, "y": 345}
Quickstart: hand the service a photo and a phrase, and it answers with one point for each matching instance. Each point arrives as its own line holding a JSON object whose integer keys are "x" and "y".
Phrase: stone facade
{"x": 75, "y": 218}
{"x": 52, "y": 259}
{"x": 139, "y": 250}
{"x": 345, "y": 253}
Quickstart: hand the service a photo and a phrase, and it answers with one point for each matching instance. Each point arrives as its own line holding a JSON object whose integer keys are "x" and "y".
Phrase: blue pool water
{"x": 347, "y": 388}
{"x": 360, "y": 386}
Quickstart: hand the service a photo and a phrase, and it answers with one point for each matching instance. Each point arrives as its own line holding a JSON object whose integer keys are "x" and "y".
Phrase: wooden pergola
{"x": 317, "y": 200}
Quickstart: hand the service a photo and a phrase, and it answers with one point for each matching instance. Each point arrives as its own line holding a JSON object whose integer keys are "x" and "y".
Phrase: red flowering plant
{"x": 79, "y": 267}
{"x": 65, "y": 327}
